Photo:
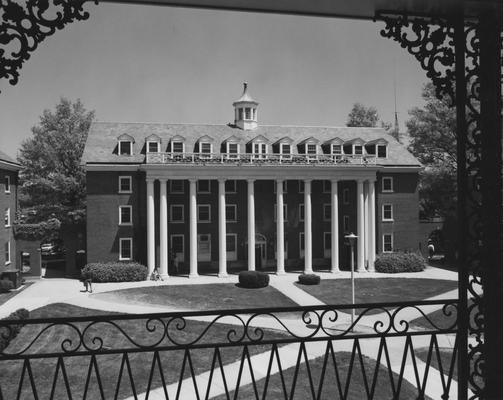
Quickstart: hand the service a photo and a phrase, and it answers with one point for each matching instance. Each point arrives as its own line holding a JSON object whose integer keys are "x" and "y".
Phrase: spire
{"x": 245, "y": 111}
{"x": 396, "y": 129}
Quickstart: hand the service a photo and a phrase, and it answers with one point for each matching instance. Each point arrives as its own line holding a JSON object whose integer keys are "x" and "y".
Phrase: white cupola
{"x": 245, "y": 111}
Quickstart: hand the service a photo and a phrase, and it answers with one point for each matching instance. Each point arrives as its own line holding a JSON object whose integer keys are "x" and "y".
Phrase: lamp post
{"x": 351, "y": 238}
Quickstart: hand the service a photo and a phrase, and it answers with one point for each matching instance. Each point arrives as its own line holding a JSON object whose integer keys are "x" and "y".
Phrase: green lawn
{"x": 330, "y": 387}
{"x": 217, "y": 296}
{"x": 109, "y": 365}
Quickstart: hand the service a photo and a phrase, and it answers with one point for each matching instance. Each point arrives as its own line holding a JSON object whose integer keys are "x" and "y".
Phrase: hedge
{"x": 399, "y": 262}
{"x": 115, "y": 272}
{"x": 253, "y": 279}
{"x": 10, "y": 332}
{"x": 6, "y": 285}
{"x": 309, "y": 279}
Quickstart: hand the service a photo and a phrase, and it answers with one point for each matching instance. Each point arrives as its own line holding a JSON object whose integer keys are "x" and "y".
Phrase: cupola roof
{"x": 245, "y": 97}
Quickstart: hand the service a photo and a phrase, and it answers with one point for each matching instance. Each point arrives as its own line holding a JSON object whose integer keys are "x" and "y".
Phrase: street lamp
{"x": 351, "y": 238}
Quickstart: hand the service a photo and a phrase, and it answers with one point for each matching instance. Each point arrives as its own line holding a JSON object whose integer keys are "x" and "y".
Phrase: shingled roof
{"x": 4, "y": 158}
{"x": 101, "y": 145}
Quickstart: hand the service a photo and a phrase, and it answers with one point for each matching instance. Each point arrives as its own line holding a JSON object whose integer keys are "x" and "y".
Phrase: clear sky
{"x": 161, "y": 64}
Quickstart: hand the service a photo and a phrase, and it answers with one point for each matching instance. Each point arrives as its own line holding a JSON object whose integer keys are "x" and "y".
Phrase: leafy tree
{"x": 361, "y": 115}
{"x": 52, "y": 179}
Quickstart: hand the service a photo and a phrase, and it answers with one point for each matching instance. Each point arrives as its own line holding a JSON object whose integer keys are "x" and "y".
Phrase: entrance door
{"x": 177, "y": 247}
{"x": 204, "y": 247}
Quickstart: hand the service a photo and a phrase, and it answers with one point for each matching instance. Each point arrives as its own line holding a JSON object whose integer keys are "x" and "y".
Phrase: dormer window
{"x": 286, "y": 150}
{"x": 358, "y": 149}
{"x": 248, "y": 113}
{"x": 378, "y": 148}
{"x": 336, "y": 149}
{"x": 310, "y": 149}
{"x": 152, "y": 147}
{"x": 232, "y": 150}
{"x": 382, "y": 151}
{"x": 259, "y": 150}
{"x": 125, "y": 148}
{"x": 177, "y": 147}
{"x": 205, "y": 149}
{"x": 240, "y": 114}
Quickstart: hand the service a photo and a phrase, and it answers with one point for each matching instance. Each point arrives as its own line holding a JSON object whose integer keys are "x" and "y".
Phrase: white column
{"x": 163, "y": 230}
{"x": 308, "y": 238}
{"x": 372, "y": 225}
{"x": 360, "y": 227}
{"x": 365, "y": 225}
{"x": 222, "y": 231}
{"x": 193, "y": 228}
{"x": 150, "y": 227}
{"x": 280, "y": 229}
{"x": 251, "y": 225}
{"x": 334, "y": 200}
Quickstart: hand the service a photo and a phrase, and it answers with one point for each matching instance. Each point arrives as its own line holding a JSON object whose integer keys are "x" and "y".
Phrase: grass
{"x": 4, "y": 297}
{"x": 109, "y": 365}
{"x": 330, "y": 387}
{"x": 217, "y": 296}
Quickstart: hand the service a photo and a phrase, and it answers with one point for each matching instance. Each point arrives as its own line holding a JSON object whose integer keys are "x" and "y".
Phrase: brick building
{"x": 247, "y": 196}
{"x": 8, "y": 205}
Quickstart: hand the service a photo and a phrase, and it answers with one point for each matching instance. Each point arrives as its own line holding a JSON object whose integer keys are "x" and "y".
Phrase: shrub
{"x": 7, "y": 333}
{"x": 115, "y": 272}
{"x": 309, "y": 279}
{"x": 399, "y": 262}
{"x": 6, "y": 285}
{"x": 253, "y": 279}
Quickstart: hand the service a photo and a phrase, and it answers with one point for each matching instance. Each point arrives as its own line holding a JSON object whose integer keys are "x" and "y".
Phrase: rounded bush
{"x": 309, "y": 279}
{"x": 6, "y": 285}
{"x": 10, "y": 332}
{"x": 392, "y": 263}
{"x": 253, "y": 279}
{"x": 115, "y": 272}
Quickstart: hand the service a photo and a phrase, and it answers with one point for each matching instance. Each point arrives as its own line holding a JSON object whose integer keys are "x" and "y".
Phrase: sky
{"x": 134, "y": 63}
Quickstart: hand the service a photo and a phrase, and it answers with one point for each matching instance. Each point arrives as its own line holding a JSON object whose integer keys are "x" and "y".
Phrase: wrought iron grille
{"x": 391, "y": 350}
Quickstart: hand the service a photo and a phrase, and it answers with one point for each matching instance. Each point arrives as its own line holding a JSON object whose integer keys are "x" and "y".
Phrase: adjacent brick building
{"x": 208, "y": 197}
{"x": 8, "y": 205}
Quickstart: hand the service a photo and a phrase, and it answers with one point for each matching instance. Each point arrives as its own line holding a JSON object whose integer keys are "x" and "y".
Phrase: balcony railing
{"x": 391, "y": 350}
{"x": 261, "y": 159}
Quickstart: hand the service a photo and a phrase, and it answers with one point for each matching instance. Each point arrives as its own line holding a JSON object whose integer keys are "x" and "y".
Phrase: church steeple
{"x": 245, "y": 111}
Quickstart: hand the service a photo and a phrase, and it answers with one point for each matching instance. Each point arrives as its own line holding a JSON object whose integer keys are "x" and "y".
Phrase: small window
{"x": 345, "y": 196}
{"x": 125, "y": 148}
{"x": 285, "y": 213}
{"x": 285, "y": 186}
{"x": 203, "y": 186}
{"x": 301, "y": 212}
{"x": 7, "y": 252}
{"x": 204, "y": 213}
{"x": 311, "y": 149}
{"x": 336, "y": 149}
{"x": 327, "y": 212}
{"x": 327, "y": 186}
{"x": 231, "y": 214}
{"x": 230, "y": 242}
{"x": 232, "y": 150}
{"x": 177, "y": 147}
{"x": 176, "y": 186}
{"x": 387, "y": 184}
{"x": 387, "y": 212}
{"x": 240, "y": 114}
{"x": 152, "y": 147}
{"x": 345, "y": 223}
{"x": 7, "y": 184}
{"x": 301, "y": 186}
{"x": 285, "y": 150}
{"x": 247, "y": 113}
{"x": 7, "y": 217}
{"x": 259, "y": 150}
{"x": 230, "y": 186}
{"x": 125, "y": 249}
{"x": 177, "y": 244}
{"x": 358, "y": 149}
{"x": 205, "y": 148}
{"x": 382, "y": 151}
{"x": 327, "y": 241}
{"x": 387, "y": 243}
{"x": 176, "y": 211}
{"x": 301, "y": 242}
{"x": 125, "y": 184}
{"x": 125, "y": 215}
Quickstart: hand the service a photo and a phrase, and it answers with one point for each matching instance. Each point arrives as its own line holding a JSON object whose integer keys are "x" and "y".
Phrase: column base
{"x": 164, "y": 276}
{"x": 193, "y": 275}
{"x": 251, "y": 268}
{"x": 361, "y": 270}
{"x": 335, "y": 270}
{"x": 223, "y": 275}
{"x": 308, "y": 271}
{"x": 282, "y": 272}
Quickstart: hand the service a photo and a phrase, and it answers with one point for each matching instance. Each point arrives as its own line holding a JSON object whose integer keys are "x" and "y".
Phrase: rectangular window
{"x": 231, "y": 214}
{"x": 327, "y": 186}
{"x": 176, "y": 211}
{"x": 387, "y": 212}
{"x": 230, "y": 186}
{"x": 382, "y": 151}
{"x": 301, "y": 186}
{"x": 345, "y": 196}
{"x": 203, "y": 186}
{"x": 336, "y": 149}
{"x": 177, "y": 246}
{"x": 345, "y": 223}
{"x": 285, "y": 150}
{"x": 125, "y": 249}
{"x": 259, "y": 150}
{"x": 153, "y": 147}
{"x": 310, "y": 149}
{"x": 285, "y": 213}
{"x": 203, "y": 213}
{"x": 301, "y": 212}
{"x": 327, "y": 212}
{"x": 7, "y": 252}
{"x": 7, "y": 184}
{"x": 7, "y": 217}
{"x": 247, "y": 113}
{"x": 240, "y": 114}
{"x": 125, "y": 148}
{"x": 125, "y": 215}
{"x": 177, "y": 147}
{"x": 301, "y": 244}
{"x": 204, "y": 247}
{"x": 230, "y": 242}
{"x": 358, "y": 150}
{"x": 387, "y": 184}
{"x": 176, "y": 186}
{"x": 232, "y": 150}
{"x": 205, "y": 148}
{"x": 387, "y": 243}
{"x": 125, "y": 184}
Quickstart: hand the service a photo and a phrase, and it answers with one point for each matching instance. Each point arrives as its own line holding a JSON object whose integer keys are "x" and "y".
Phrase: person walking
{"x": 431, "y": 249}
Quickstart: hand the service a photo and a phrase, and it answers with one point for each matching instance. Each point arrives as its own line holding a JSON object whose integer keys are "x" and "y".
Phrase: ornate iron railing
{"x": 391, "y": 350}
{"x": 261, "y": 159}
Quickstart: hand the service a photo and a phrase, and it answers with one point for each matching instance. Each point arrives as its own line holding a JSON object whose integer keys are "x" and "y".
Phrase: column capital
{"x": 280, "y": 179}
{"x": 307, "y": 180}
{"x": 193, "y": 180}
{"x": 334, "y": 180}
{"x": 150, "y": 179}
{"x": 221, "y": 180}
{"x": 250, "y": 180}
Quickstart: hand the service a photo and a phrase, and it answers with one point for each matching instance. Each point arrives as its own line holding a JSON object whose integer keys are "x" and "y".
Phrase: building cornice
{"x": 10, "y": 166}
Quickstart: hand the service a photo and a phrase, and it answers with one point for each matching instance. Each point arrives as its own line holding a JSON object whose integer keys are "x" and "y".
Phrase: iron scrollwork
{"x": 26, "y": 23}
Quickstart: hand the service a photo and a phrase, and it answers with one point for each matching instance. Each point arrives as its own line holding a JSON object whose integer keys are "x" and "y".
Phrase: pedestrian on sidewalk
{"x": 88, "y": 283}
{"x": 431, "y": 249}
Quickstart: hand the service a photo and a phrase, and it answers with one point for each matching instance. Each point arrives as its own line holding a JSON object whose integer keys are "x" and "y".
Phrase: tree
{"x": 52, "y": 179}
{"x": 361, "y": 115}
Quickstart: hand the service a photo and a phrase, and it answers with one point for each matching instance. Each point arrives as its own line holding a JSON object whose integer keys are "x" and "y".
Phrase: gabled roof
{"x": 378, "y": 141}
{"x": 153, "y": 138}
{"x": 245, "y": 97}
{"x": 356, "y": 140}
{"x": 232, "y": 139}
{"x": 335, "y": 140}
{"x": 9, "y": 163}
{"x": 310, "y": 140}
{"x": 260, "y": 138}
{"x": 284, "y": 139}
{"x": 126, "y": 138}
{"x": 178, "y": 138}
{"x": 205, "y": 138}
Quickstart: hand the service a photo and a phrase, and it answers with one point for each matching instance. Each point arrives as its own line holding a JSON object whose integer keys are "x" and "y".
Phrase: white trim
{"x": 148, "y": 146}
{"x": 130, "y": 148}
{"x": 171, "y": 207}
{"x": 7, "y": 214}
{"x": 112, "y": 167}
{"x": 325, "y": 206}
{"x": 390, "y": 178}
{"x": 130, "y": 240}
{"x": 130, "y": 179}
{"x": 262, "y": 147}
{"x": 384, "y": 219}
{"x": 333, "y": 146}
{"x": 235, "y": 207}
{"x": 383, "y": 242}
{"x": 177, "y": 141}
{"x": 201, "y": 153}
{"x": 286, "y": 156}
{"x": 229, "y": 154}
{"x": 172, "y": 191}
{"x": 204, "y": 191}
{"x": 199, "y": 206}
{"x": 130, "y": 215}
{"x": 353, "y": 149}
{"x": 7, "y": 183}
